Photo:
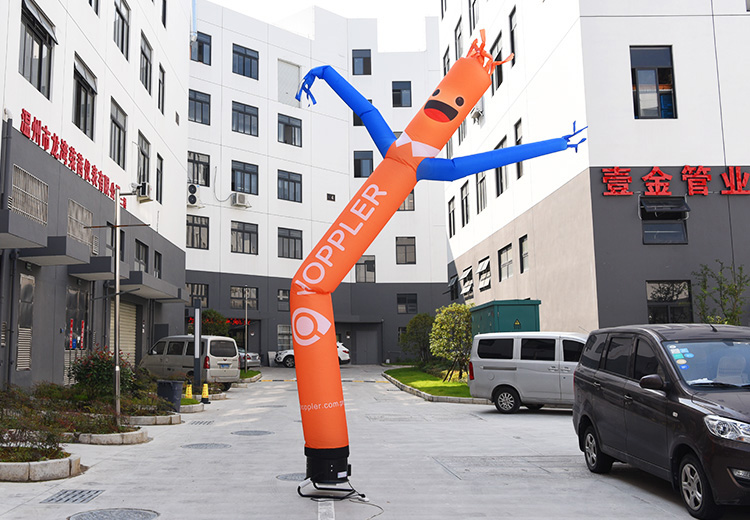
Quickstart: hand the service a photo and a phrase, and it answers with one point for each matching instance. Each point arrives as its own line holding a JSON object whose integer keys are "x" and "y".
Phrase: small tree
{"x": 416, "y": 340}
{"x": 721, "y": 295}
{"x": 451, "y": 337}
{"x": 212, "y": 323}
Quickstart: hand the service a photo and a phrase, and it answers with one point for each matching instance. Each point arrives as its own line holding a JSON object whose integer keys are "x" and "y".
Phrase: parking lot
{"x": 242, "y": 458}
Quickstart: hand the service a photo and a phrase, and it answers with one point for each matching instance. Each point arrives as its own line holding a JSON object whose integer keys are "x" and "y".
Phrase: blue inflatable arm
{"x": 373, "y": 121}
{"x": 456, "y": 168}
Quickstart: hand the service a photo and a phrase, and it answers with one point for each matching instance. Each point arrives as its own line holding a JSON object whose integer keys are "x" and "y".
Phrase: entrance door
{"x": 25, "y": 323}
{"x": 367, "y": 351}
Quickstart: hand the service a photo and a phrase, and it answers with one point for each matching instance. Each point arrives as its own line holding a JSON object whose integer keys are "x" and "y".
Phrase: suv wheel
{"x": 506, "y": 401}
{"x": 289, "y": 361}
{"x": 695, "y": 489}
{"x": 596, "y": 461}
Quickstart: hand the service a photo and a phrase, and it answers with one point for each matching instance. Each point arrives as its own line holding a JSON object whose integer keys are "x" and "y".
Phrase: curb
{"x": 441, "y": 399}
{"x": 40, "y": 471}
{"x": 190, "y": 409}
{"x": 115, "y": 438}
{"x": 171, "y": 419}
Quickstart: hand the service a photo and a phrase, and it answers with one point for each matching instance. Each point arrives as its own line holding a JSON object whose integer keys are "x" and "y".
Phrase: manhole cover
{"x": 206, "y": 446}
{"x": 115, "y": 514}
{"x": 202, "y": 422}
{"x": 293, "y": 477}
{"x": 252, "y": 433}
{"x": 72, "y": 497}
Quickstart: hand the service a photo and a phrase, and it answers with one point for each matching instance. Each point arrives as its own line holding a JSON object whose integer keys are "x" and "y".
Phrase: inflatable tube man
{"x": 407, "y": 160}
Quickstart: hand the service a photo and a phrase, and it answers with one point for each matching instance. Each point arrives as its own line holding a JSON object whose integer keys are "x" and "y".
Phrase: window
{"x": 83, "y": 99}
{"x": 653, "y": 82}
{"x": 244, "y": 118}
{"x": 198, "y": 169}
{"x": 282, "y": 300}
{"x": 519, "y": 140}
{"x": 495, "y": 349}
{"x": 465, "y": 204}
{"x": 290, "y": 243}
{"x": 453, "y": 287}
{"x": 197, "y": 232}
{"x": 289, "y": 186}
{"x": 505, "y": 258}
{"x": 646, "y": 362}
{"x": 513, "y": 48}
{"x": 501, "y": 174}
{"x": 117, "y": 134}
{"x": 457, "y": 41}
{"x": 467, "y": 283}
{"x": 406, "y": 250}
{"x": 199, "y": 107}
{"x": 443, "y": 7}
{"x": 159, "y": 178}
{"x": 244, "y": 238}
{"x": 161, "y": 90}
{"x": 244, "y": 177}
{"x": 290, "y": 130}
{"x": 538, "y": 349}
{"x": 245, "y": 61}
{"x": 406, "y": 303}
{"x": 401, "y": 93}
{"x": 481, "y": 192}
{"x": 472, "y": 15}
{"x": 523, "y": 246}
{"x": 452, "y": 217}
{"x": 146, "y": 52}
{"x": 110, "y": 245}
{"x": 163, "y": 13}
{"x": 94, "y": 5}
{"x": 241, "y": 294}
{"x": 198, "y": 291}
{"x": 461, "y": 132}
{"x": 364, "y": 270}
{"x": 484, "y": 273}
{"x": 361, "y": 62}
{"x": 664, "y": 220}
{"x": 669, "y": 302}
{"x": 122, "y": 26}
{"x": 35, "y": 52}
{"x": 200, "y": 49}
{"x": 157, "y": 264}
{"x": 449, "y": 148}
{"x": 363, "y": 164}
{"x": 497, "y": 54}
{"x": 572, "y": 350}
{"x": 283, "y": 337}
{"x": 144, "y": 158}
{"x": 141, "y": 257}
{"x": 618, "y": 354}
{"x": 446, "y": 61}
{"x": 408, "y": 204}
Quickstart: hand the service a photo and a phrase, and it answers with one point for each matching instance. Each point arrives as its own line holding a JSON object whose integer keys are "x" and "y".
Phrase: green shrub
{"x": 94, "y": 374}
{"x": 27, "y": 433}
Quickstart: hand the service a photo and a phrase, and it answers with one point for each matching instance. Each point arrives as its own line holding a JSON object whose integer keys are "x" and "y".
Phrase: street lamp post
{"x": 244, "y": 295}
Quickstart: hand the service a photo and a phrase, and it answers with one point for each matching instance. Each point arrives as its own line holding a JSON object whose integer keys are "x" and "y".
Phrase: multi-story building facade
{"x": 94, "y": 99}
{"x": 614, "y": 233}
{"x": 267, "y": 175}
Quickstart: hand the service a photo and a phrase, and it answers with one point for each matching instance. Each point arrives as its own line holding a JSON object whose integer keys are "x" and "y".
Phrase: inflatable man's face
{"x": 450, "y": 103}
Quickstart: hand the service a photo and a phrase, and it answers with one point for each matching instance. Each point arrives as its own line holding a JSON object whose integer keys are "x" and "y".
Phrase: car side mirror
{"x": 652, "y": 382}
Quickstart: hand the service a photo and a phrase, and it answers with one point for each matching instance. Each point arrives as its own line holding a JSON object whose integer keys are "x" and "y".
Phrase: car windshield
{"x": 719, "y": 364}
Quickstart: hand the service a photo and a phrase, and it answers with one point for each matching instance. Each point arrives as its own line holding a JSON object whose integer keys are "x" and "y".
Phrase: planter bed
{"x": 171, "y": 419}
{"x": 40, "y": 471}
{"x": 116, "y": 438}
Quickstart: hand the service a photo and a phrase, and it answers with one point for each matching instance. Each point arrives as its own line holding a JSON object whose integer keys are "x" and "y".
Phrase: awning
{"x": 664, "y": 204}
{"x": 41, "y": 18}
{"x": 468, "y": 286}
{"x": 483, "y": 266}
{"x": 466, "y": 273}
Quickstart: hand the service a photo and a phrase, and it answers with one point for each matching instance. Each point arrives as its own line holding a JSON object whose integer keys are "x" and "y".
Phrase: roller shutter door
{"x": 128, "y": 328}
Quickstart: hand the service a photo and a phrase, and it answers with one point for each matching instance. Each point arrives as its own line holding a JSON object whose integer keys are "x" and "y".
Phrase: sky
{"x": 400, "y": 22}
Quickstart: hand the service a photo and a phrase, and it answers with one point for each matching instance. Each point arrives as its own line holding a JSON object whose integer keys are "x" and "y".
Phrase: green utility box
{"x": 505, "y": 315}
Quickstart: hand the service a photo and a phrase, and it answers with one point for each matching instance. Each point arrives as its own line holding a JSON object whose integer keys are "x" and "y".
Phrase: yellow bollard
{"x": 189, "y": 391}
{"x": 205, "y": 394}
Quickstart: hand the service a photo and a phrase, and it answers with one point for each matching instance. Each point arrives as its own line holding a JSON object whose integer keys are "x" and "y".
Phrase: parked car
{"x": 248, "y": 360}
{"x": 174, "y": 357}
{"x": 286, "y": 357}
{"x": 673, "y": 400}
{"x": 532, "y": 368}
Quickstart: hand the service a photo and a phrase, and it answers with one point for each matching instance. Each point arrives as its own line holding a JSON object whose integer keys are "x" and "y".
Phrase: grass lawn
{"x": 246, "y": 374}
{"x": 429, "y": 383}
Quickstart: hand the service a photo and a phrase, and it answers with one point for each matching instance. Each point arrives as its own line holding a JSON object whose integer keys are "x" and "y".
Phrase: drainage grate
{"x": 293, "y": 477}
{"x": 206, "y": 446}
{"x": 72, "y": 497}
{"x": 201, "y": 422}
{"x": 115, "y": 514}
{"x": 252, "y": 433}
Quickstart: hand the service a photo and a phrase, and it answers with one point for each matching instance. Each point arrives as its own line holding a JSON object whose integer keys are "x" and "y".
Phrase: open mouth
{"x": 439, "y": 111}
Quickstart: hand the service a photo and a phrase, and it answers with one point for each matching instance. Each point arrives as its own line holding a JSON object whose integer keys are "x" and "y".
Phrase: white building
{"x": 611, "y": 234}
{"x": 274, "y": 173}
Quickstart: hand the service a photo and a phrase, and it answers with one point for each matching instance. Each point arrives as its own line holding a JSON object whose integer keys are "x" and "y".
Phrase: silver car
{"x": 286, "y": 357}
{"x": 248, "y": 360}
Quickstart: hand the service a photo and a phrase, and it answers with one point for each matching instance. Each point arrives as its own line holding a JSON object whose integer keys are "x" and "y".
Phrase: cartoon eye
{"x": 459, "y": 101}
{"x": 436, "y": 92}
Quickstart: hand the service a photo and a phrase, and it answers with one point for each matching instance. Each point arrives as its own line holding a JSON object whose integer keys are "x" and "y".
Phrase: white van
{"x": 174, "y": 357}
{"x": 533, "y": 368}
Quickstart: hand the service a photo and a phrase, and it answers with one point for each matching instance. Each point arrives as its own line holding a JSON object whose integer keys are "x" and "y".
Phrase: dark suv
{"x": 673, "y": 400}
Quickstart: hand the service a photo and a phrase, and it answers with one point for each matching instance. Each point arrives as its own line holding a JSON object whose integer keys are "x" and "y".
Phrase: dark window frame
{"x": 362, "y": 62}
{"x": 652, "y": 71}
{"x": 289, "y": 130}
{"x": 244, "y": 177}
{"x": 197, "y": 232}
{"x": 290, "y": 243}
{"x": 200, "y": 49}
{"x": 118, "y": 129}
{"x": 401, "y": 93}
{"x": 406, "y": 250}
{"x": 289, "y": 186}
{"x": 244, "y": 118}
{"x": 244, "y": 238}
{"x": 199, "y": 169}
{"x": 406, "y": 303}
{"x": 199, "y": 101}
{"x": 245, "y": 61}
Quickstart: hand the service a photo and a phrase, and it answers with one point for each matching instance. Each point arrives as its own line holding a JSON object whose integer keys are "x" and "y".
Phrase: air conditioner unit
{"x": 143, "y": 192}
{"x": 193, "y": 196}
{"x": 240, "y": 199}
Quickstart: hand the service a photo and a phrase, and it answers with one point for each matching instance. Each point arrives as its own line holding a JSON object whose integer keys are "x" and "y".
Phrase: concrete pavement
{"x": 242, "y": 459}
